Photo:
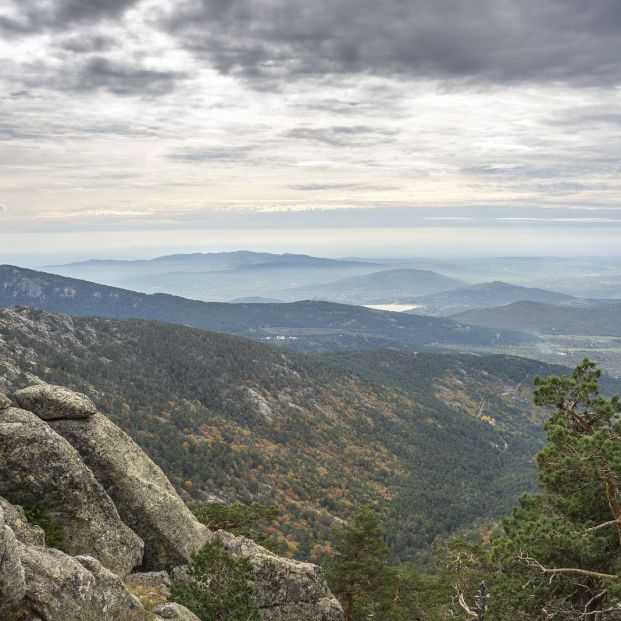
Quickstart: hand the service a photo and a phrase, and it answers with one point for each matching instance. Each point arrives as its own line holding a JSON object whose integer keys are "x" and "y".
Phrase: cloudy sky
{"x": 333, "y": 126}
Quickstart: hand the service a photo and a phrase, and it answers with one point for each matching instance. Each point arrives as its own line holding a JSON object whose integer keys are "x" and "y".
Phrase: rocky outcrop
{"x": 42, "y": 469}
{"x": 5, "y": 402}
{"x": 143, "y": 495}
{"x": 95, "y": 482}
{"x": 12, "y": 581}
{"x": 285, "y": 590}
{"x": 169, "y": 610}
{"x": 62, "y": 588}
{"x": 16, "y": 520}
{"x": 53, "y": 402}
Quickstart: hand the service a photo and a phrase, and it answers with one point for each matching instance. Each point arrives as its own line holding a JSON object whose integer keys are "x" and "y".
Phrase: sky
{"x": 334, "y": 127}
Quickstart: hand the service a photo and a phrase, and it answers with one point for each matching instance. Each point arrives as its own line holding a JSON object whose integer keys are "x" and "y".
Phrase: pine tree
{"x": 560, "y": 555}
{"x": 217, "y": 587}
{"x": 359, "y": 573}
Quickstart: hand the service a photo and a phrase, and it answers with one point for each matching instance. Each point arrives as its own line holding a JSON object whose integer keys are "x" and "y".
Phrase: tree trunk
{"x": 349, "y": 608}
{"x": 613, "y": 498}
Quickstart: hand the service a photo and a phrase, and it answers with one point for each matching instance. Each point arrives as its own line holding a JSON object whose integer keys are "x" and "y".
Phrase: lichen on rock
{"x": 62, "y": 588}
{"x": 143, "y": 495}
{"x": 12, "y": 581}
{"x": 40, "y": 467}
{"x": 53, "y": 402}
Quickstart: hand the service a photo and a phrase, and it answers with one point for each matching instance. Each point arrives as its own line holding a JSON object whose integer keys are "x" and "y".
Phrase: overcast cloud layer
{"x": 125, "y": 115}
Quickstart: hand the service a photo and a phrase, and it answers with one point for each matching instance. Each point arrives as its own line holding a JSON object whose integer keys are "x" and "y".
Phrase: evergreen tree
{"x": 560, "y": 555}
{"x": 217, "y": 587}
{"x": 358, "y": 574}
{"x": 240, "y": 519}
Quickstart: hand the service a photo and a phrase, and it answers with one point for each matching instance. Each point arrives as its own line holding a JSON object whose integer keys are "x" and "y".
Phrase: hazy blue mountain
{"x": 256, "y": 299}
{"x": 585, "y": 277}
{"x": 384, "y": 287}
{"x": 602, "y": 320}
{"x": 484, "y": 295}
{"x": 306, "y": 326}
{"x": 220, "y": 276}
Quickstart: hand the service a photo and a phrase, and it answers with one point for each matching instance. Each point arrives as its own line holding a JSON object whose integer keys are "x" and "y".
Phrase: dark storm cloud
{"x": 573, "y": 41}
{"x": 36, "y": 15}
{"x": 199, "y": 155}
{"x": 100, "y": 73}
{"x": 345, "y": 135}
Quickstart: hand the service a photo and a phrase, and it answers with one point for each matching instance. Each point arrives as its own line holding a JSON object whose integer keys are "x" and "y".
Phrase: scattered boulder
{"x": 53, "y": 402}
{"x": 12, "y": 581}
{"x": 285, "y": 589}
{"x": 41, "y": 468}
{"x": 23, "y": 530}
{"x": 5, "y": 402}
{"x": 170, "y": 610}
{"x": 143, "y": 495}
{"x": 62, "y": 588}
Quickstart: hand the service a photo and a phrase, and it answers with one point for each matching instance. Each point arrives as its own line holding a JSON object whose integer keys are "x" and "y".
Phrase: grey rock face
{"x": 144, "y": 497}
{"x": 51, "y": 402}
{"x": 327, "y": 609}
{"x": 39, "y": 467}
{"x": 5, "y": 402}
{"x": 62, "y": 588}
{"x": 23, "y": 530}
{"x": 12, "y": 582}
{"x": 285, "y": 590}
{"x": 170, "y": 610}
{"x": 148, "y": 579}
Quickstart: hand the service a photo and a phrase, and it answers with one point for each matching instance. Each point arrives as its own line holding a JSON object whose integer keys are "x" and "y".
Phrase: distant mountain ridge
{"x": 601, "y": 320}
{"x": 217, "y": 260}
{"x": 304, "y": 326}
{"x": 387, "y": 286}
{"x": 484, "y": 295}
{"x": 219, "y": 276}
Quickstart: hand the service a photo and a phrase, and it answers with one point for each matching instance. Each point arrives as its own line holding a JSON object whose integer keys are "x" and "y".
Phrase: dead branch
{"x": 566, "y": 570}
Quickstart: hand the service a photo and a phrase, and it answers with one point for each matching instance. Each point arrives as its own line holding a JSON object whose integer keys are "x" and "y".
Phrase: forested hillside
{"x": 437, "y": 441}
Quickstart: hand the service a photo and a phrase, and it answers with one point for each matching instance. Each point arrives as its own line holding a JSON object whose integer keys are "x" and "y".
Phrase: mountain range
{"x": 305, "y": 326}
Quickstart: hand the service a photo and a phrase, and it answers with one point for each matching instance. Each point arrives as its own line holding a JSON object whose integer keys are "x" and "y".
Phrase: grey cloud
{"x": 88, "y": 43}
{"x": 568, "y": 187}
{"x": 341, "y": 135}
{"x": 198, "y": 155}
{"x": 484, "y": 40}
{"x": 37, "y": 15}
{"x": 129, "y": 78}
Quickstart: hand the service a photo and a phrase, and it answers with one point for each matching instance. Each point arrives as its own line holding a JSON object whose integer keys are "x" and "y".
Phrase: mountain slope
{"x": 388, "y": 286}
{"x": 549, "y": 319}
{"x": 305, "y": 326}
{"x": 484, "y": 295}
{"x": 438, "y": 441}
